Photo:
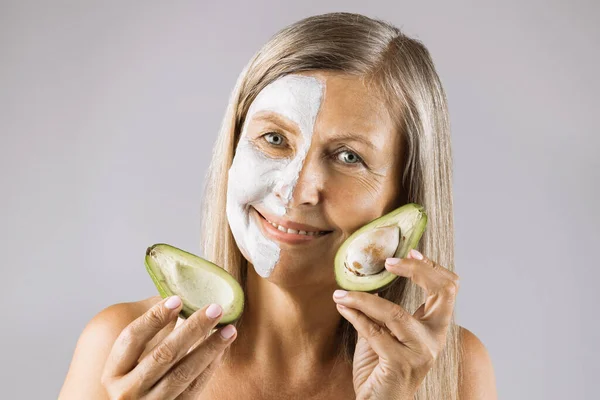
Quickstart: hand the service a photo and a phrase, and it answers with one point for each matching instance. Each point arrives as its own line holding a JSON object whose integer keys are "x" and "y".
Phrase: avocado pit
{"x": 368, "y": 252}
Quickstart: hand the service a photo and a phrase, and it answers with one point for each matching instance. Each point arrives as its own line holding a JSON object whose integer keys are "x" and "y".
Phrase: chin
{"x": 293, "y": 272}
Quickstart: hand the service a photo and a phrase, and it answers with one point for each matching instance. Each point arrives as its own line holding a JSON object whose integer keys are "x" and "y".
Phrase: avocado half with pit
{"x": 196, "y": 281}
{"x": 360, "y": 261}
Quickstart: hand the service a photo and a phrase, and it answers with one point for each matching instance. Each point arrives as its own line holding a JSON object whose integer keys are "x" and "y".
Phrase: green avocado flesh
{"x": 359, "y": 262}
{"x": 196, "y": 281}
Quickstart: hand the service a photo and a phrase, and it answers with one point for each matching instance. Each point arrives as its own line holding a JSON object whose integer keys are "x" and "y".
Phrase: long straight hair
{"x": 401, "y": 70}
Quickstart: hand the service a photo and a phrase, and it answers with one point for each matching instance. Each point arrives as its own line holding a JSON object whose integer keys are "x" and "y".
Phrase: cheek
{"x": 350, "y": 214}
{"x": 353, "y": 204}
{"x": 251, "y": 175}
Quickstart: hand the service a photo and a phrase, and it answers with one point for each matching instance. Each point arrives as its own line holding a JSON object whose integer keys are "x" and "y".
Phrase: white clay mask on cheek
{"x": 255, "y": 178}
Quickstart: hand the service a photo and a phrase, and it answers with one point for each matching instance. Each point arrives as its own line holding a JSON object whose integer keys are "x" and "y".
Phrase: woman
{"x": 336, "y": 121}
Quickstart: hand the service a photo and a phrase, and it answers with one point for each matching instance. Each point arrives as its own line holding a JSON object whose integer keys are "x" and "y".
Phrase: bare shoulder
{"x": 118, "y": 316}
{"x": 94, "y": 345}
{"x": 105, "y": 327}
{"x": 477, "y": 380}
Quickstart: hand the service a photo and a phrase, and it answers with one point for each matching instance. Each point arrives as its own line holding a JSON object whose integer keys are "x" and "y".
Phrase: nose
{"x": 306, "y": 190}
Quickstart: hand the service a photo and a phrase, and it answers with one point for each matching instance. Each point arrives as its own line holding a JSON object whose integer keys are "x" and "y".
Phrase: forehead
{"x": 335, "y": 102}
{"x": 293, "y": 98}
{"x": 349, "y": 106}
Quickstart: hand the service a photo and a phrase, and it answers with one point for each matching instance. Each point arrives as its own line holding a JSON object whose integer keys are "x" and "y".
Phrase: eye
{"x": 274, "y": 138}
{"x": 348, "y": 157}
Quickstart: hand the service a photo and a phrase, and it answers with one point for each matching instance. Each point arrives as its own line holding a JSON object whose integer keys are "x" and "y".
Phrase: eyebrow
{"x": 275, "y": 118}
{"x": 349, "y": 136}
{"x": 278, "y": 119}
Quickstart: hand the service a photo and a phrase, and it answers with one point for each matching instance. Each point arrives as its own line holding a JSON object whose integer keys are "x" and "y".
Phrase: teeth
{"x": 282, "y": 229}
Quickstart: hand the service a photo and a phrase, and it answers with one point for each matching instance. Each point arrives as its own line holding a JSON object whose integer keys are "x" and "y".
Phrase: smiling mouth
{"x": 280, "y": 228}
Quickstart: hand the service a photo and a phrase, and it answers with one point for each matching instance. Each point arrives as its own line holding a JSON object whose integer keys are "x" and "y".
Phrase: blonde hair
{"x": 401, "y": 69}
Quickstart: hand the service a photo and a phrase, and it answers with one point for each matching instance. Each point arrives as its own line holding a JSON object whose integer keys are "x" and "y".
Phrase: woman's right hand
{"x": 170, "y": 370}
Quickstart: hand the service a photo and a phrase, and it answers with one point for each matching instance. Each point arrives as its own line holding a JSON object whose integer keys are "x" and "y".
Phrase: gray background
{"x": 109, "y": 109}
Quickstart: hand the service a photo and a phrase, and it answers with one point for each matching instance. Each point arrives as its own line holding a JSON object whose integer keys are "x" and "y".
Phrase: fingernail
{"x": 213, "y": 311}
{"x": 392, "y": 261}
{"x": 228, "y": 332}
{"x": 415, "y": 254}
{"x": 173, "y": 302}
{"x": 338, "y": 294}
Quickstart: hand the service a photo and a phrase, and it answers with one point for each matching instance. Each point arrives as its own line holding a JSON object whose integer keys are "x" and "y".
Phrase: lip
{"x": 290, "y": 238}
{"x": 290, "y": 224}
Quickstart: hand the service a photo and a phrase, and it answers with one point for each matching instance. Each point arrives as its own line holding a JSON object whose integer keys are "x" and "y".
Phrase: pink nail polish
{"x": 416, "y": 255}
{"x": 173, "y": 302}
{"x": 338, "y": 294}
{"x": 213, "y": 311}
{"x": 392, "y": 261}
{"x": 228, "y": 332}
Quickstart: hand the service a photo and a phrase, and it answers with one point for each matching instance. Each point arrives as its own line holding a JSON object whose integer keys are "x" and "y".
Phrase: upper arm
{"x": 477, "y": 381}
{"x": 92, "y": 350}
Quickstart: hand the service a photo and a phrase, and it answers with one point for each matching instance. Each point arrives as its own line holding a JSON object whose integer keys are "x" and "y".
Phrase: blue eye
{"x": 348, "y": 157}
{"x": 274, "y": 138}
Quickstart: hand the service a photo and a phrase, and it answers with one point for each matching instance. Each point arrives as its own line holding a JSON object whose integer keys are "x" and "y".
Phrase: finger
{"x": 416, "y": 255}
{"x": 403, "y": 326}
{"x": 133, "y": 339}
{"x": 440, "y": 284}
{"x": 423, "y": 271}
{"x": 193, "y": 390}
{"x": 418, "y": 314}
{"x": 377, "y": 336}
{"x": 194, "y": 366}
{"x": 176, "y": 345}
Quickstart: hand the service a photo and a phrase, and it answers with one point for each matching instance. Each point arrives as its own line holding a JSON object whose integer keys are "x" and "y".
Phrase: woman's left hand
{"x": 395, "y": 350}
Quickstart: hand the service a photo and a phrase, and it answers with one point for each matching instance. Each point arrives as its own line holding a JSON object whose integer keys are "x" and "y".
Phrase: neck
{"x": 287, "y": 330}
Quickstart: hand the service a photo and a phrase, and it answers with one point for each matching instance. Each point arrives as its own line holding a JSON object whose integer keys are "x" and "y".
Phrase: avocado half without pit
{"x": 196, "y": 281}
{"x": 360, "y": 261}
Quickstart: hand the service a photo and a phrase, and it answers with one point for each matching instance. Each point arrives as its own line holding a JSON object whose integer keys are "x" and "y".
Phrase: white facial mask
{"x": 254, "y": 178}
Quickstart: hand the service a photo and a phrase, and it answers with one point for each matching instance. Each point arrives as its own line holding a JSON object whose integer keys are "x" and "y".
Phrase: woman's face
{"x": 318, "y": 157}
